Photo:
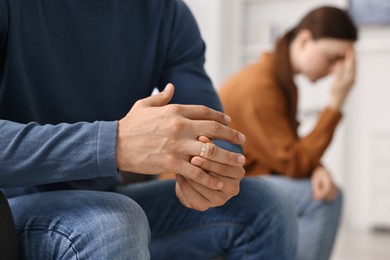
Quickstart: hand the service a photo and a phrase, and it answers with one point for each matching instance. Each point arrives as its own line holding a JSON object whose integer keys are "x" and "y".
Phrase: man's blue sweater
{"x": 69, "y": 69}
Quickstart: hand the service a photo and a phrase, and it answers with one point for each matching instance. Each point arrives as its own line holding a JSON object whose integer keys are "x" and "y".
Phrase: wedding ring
{"x": 203, "y": 150}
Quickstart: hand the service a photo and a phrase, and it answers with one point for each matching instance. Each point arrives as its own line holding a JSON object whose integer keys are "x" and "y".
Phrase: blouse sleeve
{"x": 273, "y": 142}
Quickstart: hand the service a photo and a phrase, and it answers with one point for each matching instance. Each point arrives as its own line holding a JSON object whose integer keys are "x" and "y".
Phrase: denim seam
{"x": 62, "y": 233}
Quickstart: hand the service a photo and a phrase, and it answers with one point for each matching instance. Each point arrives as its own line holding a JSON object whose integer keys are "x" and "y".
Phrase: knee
{"x": 265, "y": 198}
{"x": 111, "y": 213}
{"x": 275, "y": 215}
{"x": 109, "y": 225}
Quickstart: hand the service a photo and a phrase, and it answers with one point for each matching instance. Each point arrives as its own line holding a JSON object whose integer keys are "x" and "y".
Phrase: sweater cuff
{"x": 106, "y": 148}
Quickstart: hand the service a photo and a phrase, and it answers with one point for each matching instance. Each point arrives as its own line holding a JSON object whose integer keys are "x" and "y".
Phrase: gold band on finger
{"x": 202, "y": 152}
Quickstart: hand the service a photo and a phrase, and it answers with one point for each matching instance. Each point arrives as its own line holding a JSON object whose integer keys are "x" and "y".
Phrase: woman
{"x": 262, "y": 101}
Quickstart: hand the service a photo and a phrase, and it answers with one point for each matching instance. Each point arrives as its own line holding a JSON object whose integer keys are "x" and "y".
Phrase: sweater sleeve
{"x": 3, "y": 34}
{"x": 185, "y": 66}
{"x": 32, "y": 154}
{"x": 3, "y": 19}
{"x": 273, "y": 142}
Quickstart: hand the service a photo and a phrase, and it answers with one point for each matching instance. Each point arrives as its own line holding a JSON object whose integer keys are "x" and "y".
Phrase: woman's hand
{"x": 323, "y": 186}
{"x": 344, "y": 71}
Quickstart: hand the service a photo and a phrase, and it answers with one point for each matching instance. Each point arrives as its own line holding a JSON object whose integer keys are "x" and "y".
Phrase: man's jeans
{"x": 318, "y": 221}
{"x": 259, "y": 223}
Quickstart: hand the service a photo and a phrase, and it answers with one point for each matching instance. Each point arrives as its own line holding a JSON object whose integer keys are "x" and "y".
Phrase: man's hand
{"x": 155, "y": 138}
{"x": 323, "y": 186}
{"x": 199, "y": 197}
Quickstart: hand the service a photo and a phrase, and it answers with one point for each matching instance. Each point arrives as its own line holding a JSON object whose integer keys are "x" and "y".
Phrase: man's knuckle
{"x": 209, "y": 181}
{"x": 139, "y": 102}
{"x": 241, "y": 173}
{"x": 212, "y": 151}
{"x": 170, "y": 159}
{"x": 215, "y": 127}
{"x": 177, "y": 125}
{"x": 235, "y": 190}
{"x": 230, "y": 157}
{"x": 173, "y": 109}
{"x": 173, "y": 144}
{"x": 204, "y": 110}
{"x": 197, "y": 173}
{"x": 220, "y": 200}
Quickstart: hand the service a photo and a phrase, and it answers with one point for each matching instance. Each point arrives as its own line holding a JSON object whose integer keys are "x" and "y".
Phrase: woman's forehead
{"x": 335, "y": 45}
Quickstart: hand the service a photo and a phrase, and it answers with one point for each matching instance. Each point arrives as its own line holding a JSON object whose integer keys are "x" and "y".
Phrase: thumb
{"x": 160, "y": 99}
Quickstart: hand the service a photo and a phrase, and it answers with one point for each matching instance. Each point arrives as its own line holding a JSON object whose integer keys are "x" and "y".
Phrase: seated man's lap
{"x": 258, "y": 206}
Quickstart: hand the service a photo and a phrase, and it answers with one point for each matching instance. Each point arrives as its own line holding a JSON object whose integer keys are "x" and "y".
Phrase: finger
{"x": 214, "y": 198}
{"x": 350, "y": 55}
{"x": 217, "y": 130}
{"x": 326, "y": 186}
{"x": 180, "y": 195}
{"x": 198, "y": 175}
{"x": 331, "y": 194}
{"x": 194, "y": 199}
{"x": 204, "y": 139}
{"x": 214, "y": 153}
{"x": 352, "y": 59}
{"x": 159, "y": 99}
{"x": 234, "y": 172}
{"x": 231, "y": 186}
{"x": 199, "y": 112}
{"x": 317, "y": 189}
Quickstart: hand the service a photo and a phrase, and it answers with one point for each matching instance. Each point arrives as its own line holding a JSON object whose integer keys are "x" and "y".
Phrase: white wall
{"x": 368, "y": 128}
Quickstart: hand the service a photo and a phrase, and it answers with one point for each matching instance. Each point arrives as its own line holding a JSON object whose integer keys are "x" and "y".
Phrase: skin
{"x": 316, "y": 59}
{"x": 231, "y": 175}
{"x": 323, "y": 186}
{"x": 156, "y": 137}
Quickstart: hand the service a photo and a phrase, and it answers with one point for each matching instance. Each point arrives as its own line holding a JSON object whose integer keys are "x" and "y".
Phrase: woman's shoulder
{"x": 255, "y": 78}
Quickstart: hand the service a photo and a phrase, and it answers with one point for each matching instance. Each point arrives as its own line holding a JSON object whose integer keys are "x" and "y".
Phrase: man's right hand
{"x": 155, "y": 138}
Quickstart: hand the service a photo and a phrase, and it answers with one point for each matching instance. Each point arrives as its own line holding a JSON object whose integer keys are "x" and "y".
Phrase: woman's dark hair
{"x": 322, "y": 22}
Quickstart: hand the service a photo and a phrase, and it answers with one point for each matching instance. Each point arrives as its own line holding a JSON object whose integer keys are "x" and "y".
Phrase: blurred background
{"x": 237, "y": 31}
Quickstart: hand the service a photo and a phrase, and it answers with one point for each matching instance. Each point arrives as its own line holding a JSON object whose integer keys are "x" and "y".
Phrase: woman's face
{"x": 317, "y": 58}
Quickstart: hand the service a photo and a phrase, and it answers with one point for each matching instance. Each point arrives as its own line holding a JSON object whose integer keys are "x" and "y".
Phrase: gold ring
{"x": 203, "y": 150}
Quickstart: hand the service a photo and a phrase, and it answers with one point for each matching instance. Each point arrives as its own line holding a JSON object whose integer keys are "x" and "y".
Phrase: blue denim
{"x": 259, "y": 223}
{"x": 318, "y": 221}
{"x": 80, "y": 225}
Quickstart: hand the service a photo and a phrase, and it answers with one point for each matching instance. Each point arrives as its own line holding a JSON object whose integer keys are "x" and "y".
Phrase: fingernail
{"x": 196, "y": 162}
{"x": 242, "y": 137}
{"x": 241, "y": 159}
{"x": 219, "y": 185}
{"x": 227, "y": 119}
